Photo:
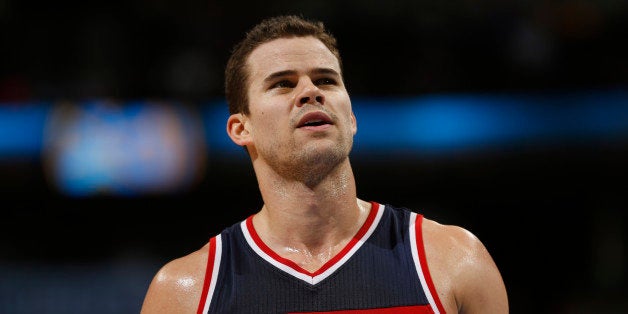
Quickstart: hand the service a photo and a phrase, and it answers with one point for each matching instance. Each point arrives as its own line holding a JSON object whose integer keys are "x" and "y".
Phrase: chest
{"x": 380, "y": 274}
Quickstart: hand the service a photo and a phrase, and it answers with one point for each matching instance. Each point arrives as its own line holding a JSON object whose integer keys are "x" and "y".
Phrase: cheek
{"x": 265, "y": 123}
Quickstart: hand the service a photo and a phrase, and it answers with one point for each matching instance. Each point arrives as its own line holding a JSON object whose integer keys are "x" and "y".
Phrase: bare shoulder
{"x": 177, "y": 286}
{"x": 464, "y": 273}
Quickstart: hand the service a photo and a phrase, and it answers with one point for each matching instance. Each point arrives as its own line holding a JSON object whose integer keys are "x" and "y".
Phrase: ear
{"x": 354, "y": 123}
{"x": 238, "y": 129}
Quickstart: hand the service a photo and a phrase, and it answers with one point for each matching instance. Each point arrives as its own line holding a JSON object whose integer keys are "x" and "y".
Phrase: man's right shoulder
{"x": 178, "y": 284}
{"x": 186, "y": 266}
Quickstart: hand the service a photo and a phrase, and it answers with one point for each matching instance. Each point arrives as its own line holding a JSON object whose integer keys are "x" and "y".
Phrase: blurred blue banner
{"x": 146, "y": 146}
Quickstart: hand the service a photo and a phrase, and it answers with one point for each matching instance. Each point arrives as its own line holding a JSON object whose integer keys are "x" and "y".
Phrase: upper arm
{"x": 177, "y": 286}
{"x": 465, "y": 274}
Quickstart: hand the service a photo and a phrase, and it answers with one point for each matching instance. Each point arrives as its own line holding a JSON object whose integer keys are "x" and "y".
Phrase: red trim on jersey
{"x": 418, "y": 227}
{"x": 416, "y": 309}
{"x": 211, "y": 256}
{"x": 365, "y": 227}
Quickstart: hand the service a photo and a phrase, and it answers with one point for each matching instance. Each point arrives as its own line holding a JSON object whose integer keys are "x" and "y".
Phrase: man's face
{"x": 300, "y": 111}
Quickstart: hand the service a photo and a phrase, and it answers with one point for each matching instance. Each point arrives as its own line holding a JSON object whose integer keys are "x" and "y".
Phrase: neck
{"x": 309, "y": 224}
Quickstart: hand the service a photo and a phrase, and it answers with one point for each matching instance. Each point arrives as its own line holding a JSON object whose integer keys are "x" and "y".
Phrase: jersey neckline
{"x": 290, "y": 267}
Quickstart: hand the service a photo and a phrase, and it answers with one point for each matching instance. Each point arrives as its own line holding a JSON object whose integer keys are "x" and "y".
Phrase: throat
{"x": 311, "y": 260}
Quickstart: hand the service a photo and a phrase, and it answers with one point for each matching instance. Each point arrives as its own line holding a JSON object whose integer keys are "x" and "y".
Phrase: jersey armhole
{"x": 211, "y": 273}
{"x": 420, "y": 262}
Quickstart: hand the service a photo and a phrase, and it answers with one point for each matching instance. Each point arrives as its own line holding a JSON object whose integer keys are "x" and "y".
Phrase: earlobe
{"x": 238, "y": 129}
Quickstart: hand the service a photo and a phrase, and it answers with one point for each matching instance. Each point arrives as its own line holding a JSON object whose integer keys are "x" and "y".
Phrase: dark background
{"x": 552, "y": 216}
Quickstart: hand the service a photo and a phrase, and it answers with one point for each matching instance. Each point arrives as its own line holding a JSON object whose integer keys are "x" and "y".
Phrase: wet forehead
{"x": 301, "y": 54}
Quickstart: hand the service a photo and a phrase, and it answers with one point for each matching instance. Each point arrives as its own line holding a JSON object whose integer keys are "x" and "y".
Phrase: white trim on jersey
{"x": 214, "y": 276}
{"x": 312, "y": 280}
{"x": 417, "y": 263}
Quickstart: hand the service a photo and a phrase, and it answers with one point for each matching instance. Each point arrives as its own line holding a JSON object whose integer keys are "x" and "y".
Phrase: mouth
{"x": 314, "y": 119}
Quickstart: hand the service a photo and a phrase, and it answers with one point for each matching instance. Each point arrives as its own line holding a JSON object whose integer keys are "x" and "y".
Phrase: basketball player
{"x": 314, "y": 246}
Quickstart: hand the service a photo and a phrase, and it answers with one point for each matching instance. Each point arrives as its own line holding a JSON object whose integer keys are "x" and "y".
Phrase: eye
{"x": 282, "y": 84}
{"x": 325, "y": 81}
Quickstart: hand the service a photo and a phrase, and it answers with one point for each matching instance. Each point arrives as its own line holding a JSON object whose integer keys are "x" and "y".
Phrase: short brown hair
{"x": 287, "y": 26}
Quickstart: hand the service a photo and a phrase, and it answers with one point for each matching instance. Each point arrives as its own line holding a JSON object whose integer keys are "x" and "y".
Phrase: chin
{"x": 324, "y": 154}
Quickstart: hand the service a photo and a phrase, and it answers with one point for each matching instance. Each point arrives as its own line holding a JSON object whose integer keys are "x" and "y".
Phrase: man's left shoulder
{"x": 452, "y": 239}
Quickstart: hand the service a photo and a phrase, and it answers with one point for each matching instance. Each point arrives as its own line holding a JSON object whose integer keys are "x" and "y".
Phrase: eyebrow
{"x": 278, "y": 74}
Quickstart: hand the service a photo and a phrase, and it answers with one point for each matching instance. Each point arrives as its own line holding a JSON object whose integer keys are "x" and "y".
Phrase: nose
{"x": 310, "y": 94}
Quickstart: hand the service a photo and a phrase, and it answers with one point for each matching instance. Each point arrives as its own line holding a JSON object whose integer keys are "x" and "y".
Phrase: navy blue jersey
{"x": 381, "y": 270}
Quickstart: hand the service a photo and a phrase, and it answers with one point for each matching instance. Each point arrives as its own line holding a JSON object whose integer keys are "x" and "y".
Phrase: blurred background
{"x": 507, "y": 118}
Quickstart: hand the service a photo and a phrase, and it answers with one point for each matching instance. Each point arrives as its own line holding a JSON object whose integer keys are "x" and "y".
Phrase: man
{"x": 314, "y": 247}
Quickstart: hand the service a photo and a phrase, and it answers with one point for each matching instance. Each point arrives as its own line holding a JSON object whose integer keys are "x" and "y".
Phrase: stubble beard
{"x": 312, "y": 163}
